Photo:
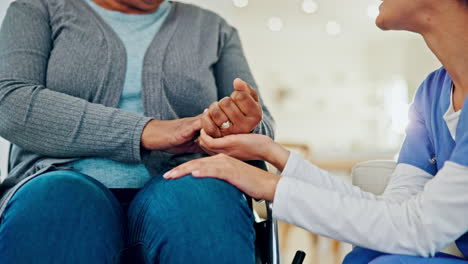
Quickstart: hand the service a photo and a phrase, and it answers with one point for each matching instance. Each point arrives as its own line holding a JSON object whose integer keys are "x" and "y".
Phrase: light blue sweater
{"x": 136, "y": 32}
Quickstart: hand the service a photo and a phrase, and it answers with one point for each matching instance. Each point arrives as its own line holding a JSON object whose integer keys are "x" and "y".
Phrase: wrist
{"x": 149, "y": 136}
{"x": 277, "y": 156}
{"x": 270, "y": 184}
{"x": 263, "y": 149}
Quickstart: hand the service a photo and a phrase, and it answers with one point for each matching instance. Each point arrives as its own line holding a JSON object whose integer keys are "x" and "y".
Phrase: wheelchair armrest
{"x": 267, "y": 234}
{"x": 373, "y": 176}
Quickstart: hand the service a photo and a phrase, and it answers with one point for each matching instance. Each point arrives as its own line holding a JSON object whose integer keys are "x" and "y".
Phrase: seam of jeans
{"x": 136, "y": 244}
{"x": 128, "y": 247}
{"x": 118, "y": 257}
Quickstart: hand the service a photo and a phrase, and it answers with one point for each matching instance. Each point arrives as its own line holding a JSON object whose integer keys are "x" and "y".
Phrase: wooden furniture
{"x": 285, "y": 228}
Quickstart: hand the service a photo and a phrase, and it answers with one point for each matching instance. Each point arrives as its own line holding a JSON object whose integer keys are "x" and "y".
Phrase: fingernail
{"x": 196, "y": 173}
{"x": 167, "y": 175}
{"x": 206, "y": 110}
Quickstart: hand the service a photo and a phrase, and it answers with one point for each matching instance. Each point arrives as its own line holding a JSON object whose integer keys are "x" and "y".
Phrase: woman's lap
{"x": 366, "y": 256}
{"x": 87, "y": 224}
{"x": 210, "y": 216}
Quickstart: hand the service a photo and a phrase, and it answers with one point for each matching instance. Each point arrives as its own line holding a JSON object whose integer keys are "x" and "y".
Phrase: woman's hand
{"x": 241, "y": 146}
{"x": 246, "y": 147}
{"x": 174, "y": 136}
{"x": 253, "y": 181}
{"x": 242, "y": 109}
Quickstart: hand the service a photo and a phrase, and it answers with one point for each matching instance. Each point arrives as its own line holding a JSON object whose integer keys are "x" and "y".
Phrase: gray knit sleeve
{"x": 233, "y": 64}
{"x": 48, "y": 122}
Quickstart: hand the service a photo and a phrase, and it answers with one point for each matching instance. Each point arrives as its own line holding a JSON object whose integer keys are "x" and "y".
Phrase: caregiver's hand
{"x": 253, "y": 181}
{"x": 242, "y": 109}
{"x": 173, "y": 136}
{"x": 246, "y": 147}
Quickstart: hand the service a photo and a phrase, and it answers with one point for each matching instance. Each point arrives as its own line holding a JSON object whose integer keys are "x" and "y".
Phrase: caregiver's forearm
{"x": 406, "y": 180}
{"x": 421, "y": 225}
{"x": 276, "y": 155}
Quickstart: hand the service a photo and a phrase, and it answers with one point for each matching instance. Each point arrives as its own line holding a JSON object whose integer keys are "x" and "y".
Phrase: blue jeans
{"x": 68, "y": 217}
{"x": 365, "y": 256}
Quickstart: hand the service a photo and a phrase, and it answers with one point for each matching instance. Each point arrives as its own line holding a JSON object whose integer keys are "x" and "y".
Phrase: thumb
{"x": 242, "y": 86}
{"x": 200, "y": 116}
{"x": 191, "y": 128}
{"x": 197, "y": 125}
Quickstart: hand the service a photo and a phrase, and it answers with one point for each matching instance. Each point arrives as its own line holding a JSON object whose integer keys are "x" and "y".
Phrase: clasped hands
{"x": 240, "y": 113}
{"x": 223, "y": 131}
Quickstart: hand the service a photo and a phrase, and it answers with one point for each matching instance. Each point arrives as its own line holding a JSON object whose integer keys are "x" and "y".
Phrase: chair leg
{"x": 315, "y": 247}
{"x": 335, "y": 248}
{"x": 284, "y": 229}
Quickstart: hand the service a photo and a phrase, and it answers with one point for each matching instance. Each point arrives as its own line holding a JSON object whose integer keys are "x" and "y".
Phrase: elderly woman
{"x": 425, "y": 206}
{"x": 99, "y": 98}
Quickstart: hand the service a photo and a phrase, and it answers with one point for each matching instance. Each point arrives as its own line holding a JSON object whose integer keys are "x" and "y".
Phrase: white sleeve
{"x": 420, "y": 224}
{"x": 406, "y": 180}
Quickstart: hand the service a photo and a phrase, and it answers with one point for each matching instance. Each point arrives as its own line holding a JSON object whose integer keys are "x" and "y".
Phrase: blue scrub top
{"x": 429, "y": 144}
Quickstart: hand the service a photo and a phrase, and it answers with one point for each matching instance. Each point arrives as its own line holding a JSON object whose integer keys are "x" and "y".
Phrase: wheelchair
{"x": 266, "y": 243}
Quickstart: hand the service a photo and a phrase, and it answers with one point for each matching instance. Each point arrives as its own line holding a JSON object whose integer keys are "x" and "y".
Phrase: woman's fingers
{"x": 184, "y": 169}
{"x": 234, "y": 114}
{"x": 193, "y": 127}
{"x": 207, "y": 149}
{"x": 204, "y": 145}
{"x": 205, "y": 167}
{"x": 253, "y": 181}
{"x": 248, "y": 106}
{"x": 241, "y": 109}
{"x": 217, "y": 115}
{"x": 214, "y": 143}
{"x": 210, "y": 127}
{"x": 240, "y": 85}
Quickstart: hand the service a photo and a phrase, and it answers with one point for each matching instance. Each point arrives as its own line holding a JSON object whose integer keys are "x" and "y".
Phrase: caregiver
{"x": 425, "y": 206}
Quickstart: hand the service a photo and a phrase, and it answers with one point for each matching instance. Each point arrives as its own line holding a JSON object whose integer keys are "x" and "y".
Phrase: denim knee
{"x": 204, "y": 219}
{"x": 62, "y": 217}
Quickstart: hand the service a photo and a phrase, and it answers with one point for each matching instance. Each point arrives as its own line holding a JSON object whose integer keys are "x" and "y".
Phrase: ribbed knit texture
{"x": 62, "y": 71}
{"x": 136, "y": 32}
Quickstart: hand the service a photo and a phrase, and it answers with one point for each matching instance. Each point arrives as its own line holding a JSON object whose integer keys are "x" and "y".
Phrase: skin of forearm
{"x": 276, "y": 155}
{"x": 145, "y": 136}
{"x": 271, "y": 182}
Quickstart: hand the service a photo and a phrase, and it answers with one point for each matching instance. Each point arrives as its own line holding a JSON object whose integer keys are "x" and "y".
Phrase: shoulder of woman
{"x": 197, "y": 12}
{"x": 46, "y": 7}
{"x": 430, "y": 91}
{"x": 40, "y": 5}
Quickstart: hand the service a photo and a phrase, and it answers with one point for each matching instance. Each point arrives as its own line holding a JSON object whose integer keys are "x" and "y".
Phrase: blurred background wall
{"x": 331, "y": 78}
{"x": 338, "y": 86}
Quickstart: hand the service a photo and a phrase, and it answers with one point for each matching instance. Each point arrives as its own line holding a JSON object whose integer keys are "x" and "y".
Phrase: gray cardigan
{"x": 62, "y": 70}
